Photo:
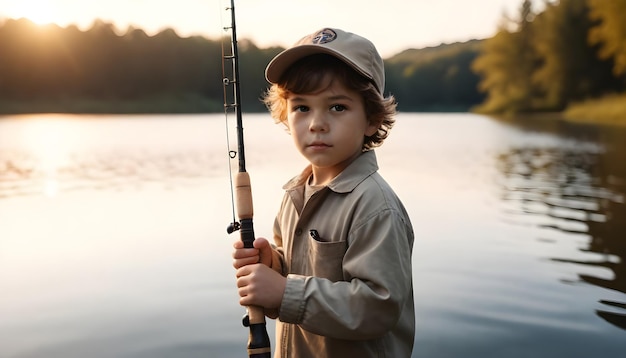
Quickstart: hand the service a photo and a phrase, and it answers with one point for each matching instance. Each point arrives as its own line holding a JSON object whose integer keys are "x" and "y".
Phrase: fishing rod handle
{"x": 259, "y": 345}
{"x": 243, "y": 194}
{"x": 258, "y": 339}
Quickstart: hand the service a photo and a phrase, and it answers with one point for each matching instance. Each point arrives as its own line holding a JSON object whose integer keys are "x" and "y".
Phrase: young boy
{"x": 338, "y": 276}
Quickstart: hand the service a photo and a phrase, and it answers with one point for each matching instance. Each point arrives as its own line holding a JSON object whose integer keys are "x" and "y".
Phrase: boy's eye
{"x": 300, "y": 108}
{"x": 338, "y": 108}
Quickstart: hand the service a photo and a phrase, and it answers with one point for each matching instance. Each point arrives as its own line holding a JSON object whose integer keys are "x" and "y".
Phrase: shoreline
{"x": 156, "y": 105}
{"x": 606, "y": 111}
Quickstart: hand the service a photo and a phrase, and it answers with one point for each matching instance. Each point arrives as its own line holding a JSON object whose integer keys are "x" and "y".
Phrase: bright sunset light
{"x": 41, "y": 12}
{"x": 393, "y": 26}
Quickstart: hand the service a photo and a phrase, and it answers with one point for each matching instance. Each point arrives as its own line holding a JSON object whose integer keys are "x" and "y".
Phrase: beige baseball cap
{"x": 356, "y": 51}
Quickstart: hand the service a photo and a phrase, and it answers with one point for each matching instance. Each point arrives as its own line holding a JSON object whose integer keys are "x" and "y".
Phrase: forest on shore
{"x": 570, "y": 56}
{"x": 99, "y": 70}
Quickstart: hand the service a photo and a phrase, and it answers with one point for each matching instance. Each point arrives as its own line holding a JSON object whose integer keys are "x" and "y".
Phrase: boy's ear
{"x": 372, "y": 128}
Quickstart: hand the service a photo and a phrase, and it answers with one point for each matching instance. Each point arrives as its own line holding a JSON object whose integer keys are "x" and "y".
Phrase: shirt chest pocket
{"x": 326, "y": 259}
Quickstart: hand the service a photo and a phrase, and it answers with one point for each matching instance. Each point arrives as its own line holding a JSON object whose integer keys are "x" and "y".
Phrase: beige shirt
{"x": 350, "y": 294}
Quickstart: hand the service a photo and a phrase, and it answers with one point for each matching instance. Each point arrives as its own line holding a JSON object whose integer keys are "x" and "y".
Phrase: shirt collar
{"x": 357, "y": 171}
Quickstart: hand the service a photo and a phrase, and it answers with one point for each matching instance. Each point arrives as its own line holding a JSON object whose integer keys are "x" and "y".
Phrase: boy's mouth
{"x": 319, "y": 145}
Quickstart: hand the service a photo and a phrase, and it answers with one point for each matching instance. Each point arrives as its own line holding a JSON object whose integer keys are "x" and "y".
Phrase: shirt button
{"x": 298, "y": 231}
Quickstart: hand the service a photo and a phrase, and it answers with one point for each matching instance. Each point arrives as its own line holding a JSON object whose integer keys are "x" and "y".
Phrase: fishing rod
{"x": 258, "y": 339}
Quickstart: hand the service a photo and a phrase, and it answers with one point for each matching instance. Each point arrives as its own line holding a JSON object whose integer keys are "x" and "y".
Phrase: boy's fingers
{"x": 260, "y": 242}
{"x": 239, "y": 263}
{"x": 265, "y": 256}
{"x": 243, "y": 253}
{"x": 262, "y": 252}
{"x": 265, "y": 251}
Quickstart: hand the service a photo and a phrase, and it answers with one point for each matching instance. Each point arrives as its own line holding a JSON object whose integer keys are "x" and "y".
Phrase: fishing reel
{"x": 232, "y": 227}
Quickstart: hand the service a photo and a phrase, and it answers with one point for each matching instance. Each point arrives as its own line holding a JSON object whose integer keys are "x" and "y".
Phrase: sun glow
{"x": 41, "y": 12}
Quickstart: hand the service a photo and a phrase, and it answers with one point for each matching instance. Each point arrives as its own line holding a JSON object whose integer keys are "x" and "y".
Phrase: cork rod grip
{"x": 243, "y": 192}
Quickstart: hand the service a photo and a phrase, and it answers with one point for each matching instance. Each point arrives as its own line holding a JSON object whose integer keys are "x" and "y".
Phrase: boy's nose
{"x": 318, "y": 123}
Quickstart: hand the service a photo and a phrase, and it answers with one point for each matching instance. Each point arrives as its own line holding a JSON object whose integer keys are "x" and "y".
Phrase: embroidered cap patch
{"x": 324, "y": 36}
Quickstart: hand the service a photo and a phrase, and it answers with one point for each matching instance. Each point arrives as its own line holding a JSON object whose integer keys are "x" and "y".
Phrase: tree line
{"x": 544, "y": 61}
{"x": 57, "y": 64}
{"x": 538, "y": 61}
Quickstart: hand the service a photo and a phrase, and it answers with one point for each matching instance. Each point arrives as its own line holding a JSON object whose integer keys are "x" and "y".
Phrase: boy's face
{"x": 328, "y": 128}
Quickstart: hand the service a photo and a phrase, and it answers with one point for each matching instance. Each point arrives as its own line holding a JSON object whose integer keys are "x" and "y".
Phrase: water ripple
{"x": 22, "y": 173}
{"x": 568, "y": 191}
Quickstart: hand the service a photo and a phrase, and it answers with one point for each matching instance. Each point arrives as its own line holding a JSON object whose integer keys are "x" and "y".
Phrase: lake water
{"x": 113, "y": 234}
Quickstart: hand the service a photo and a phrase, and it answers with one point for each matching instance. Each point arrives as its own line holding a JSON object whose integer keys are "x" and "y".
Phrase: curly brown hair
{"x": 315, "y": 73}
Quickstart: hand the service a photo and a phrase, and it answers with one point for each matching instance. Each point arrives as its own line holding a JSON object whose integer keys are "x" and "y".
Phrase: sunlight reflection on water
{"x": 54, "y": 153}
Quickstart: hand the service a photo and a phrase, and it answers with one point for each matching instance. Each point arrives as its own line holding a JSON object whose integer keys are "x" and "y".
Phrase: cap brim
{"x": 285, "y": 59}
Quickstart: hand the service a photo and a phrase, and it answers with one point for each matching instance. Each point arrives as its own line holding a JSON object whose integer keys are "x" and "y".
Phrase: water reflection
{"x": 31, "y": 174}
{"x": 579, "y": 191}
{"x": 48, "y": 154}
{"x": 139, "y": 240}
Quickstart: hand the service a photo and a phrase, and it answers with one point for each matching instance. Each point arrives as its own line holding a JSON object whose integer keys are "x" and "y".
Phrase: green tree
{"x": 609, "y": 31}
{"x": 506, "y": 64}
{"x": 570, "y": 69}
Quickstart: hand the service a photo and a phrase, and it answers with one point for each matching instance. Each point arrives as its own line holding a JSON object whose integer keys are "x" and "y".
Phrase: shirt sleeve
{"x": 368, "y": 303}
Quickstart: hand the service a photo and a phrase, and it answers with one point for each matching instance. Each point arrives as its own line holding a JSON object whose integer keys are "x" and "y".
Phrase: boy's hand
{"x": 261, "y": 286}
{"x": 261, "y": 253}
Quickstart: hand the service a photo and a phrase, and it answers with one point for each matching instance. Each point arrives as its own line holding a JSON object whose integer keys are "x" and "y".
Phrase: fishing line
{"x": 225, "y": 82}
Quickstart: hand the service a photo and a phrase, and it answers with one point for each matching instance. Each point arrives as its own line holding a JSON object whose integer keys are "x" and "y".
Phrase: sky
{"x": 392, "y": 25}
